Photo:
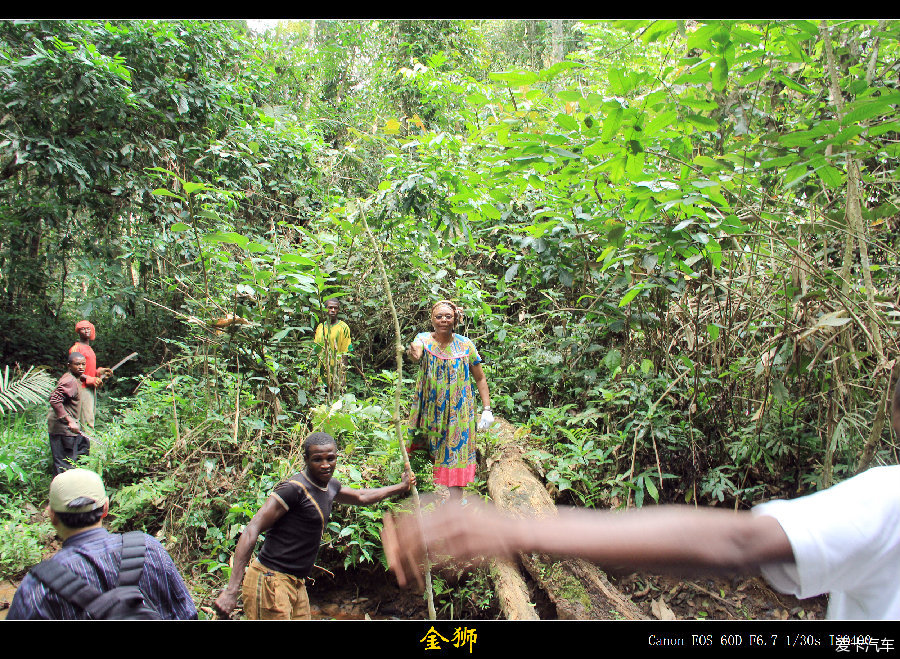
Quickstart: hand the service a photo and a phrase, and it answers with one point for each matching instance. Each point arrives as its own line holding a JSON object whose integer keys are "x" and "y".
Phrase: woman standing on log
{"x": 443, "y": 414}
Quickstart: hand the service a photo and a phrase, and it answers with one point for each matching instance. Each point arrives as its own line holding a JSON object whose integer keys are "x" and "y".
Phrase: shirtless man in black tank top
{"x": 293, "y": 519}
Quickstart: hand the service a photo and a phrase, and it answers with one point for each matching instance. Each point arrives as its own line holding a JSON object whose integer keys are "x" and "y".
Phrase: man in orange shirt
{"x": 92, "y": 376}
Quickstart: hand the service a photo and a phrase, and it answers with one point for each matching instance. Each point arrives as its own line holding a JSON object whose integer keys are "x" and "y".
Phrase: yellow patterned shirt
{"x": 338, "y": 338}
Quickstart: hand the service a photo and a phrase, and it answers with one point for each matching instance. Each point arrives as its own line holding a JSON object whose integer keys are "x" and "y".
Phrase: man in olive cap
{"x": 78, "y": 504}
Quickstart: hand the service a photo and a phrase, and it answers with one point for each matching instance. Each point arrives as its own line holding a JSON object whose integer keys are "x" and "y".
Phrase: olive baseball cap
{"x": 74, "y": 484}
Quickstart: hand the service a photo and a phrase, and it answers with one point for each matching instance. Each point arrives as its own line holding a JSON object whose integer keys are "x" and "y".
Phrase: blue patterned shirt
{"x": 95, "y": 555}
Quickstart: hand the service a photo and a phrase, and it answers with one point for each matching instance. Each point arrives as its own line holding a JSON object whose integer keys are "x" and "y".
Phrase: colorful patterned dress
{"x": 443, "y": 414}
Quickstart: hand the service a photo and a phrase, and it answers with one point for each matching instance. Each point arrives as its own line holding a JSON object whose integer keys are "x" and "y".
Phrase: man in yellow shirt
{"x": 334, "y": 354}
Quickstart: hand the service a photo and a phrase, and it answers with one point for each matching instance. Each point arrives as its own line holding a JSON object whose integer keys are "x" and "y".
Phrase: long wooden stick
{"x": 399, "y": 353}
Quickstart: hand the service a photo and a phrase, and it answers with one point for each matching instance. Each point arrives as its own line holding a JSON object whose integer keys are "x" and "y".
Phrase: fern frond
{"x": 31, "y": 388}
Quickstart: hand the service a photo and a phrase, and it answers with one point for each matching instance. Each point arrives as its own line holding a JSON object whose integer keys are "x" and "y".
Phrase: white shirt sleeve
{"x": 843, "y": 538}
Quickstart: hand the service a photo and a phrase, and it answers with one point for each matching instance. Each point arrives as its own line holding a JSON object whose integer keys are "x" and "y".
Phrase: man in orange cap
{"x": 92, "y": 376}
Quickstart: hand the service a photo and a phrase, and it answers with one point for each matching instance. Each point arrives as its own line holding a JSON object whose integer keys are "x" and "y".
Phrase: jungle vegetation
{"x": 675, "y": 241}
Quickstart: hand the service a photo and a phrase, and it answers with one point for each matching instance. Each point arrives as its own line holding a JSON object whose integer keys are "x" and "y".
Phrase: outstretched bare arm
{"x": 661, "y": 537}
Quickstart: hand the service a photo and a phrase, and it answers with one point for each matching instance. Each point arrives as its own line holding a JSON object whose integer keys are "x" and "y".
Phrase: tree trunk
{"x": 578, "y": 589}
{"x": 512, "y": 591}
{"x": 558, "y": 48}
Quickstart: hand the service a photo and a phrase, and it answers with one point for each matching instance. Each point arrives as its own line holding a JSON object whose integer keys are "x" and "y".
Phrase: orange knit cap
{"x": 86, "y": 323}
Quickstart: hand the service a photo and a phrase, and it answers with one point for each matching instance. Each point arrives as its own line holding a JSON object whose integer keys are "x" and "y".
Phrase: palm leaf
{"x": 31, "y": 388}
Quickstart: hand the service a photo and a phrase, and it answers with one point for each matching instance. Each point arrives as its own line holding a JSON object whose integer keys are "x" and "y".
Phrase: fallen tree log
{"x": 578, "y": 589}
{"x": 512, "y": 591}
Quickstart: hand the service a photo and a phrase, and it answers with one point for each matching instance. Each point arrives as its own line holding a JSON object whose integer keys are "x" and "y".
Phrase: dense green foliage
{"x": 675, "y": 242}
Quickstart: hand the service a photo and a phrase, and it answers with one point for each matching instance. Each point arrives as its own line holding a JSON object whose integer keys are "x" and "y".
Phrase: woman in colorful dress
{"x": 443, "y": 414}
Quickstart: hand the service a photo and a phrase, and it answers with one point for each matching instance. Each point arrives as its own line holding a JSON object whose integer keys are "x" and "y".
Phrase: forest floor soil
{"x": 356, "y": 596}
{"x": 373, "y": 594}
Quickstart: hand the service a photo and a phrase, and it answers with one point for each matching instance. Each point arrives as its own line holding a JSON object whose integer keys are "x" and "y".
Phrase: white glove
{"x": 486, "y": 419}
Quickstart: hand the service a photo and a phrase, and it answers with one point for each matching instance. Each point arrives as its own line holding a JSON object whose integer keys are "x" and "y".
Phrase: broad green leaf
{"x": 831, "y": 176}
{"x": 862, "y": 111}
{"x": 793, "y": 46}
{"x": 283, "y": 333}
{"x": 538, "y": 230}
{"x": 162, "y": 192}
{"x": 179, "y": 226}
{"x": 847, "y": 134}
{"x": 701, "y": 37}
{"x": 489, "y": 210}
{"x": 795, "y": 174}
{"x": 613, "y": 359}
{"x": 651, "y": 488}
{"x": 698, "y": 103}
{"x": 611, "y": 124}
{"x": 616, "y": 168}
{"x": 296, "y": 258}
{"x": 781, "y": 161}
{"x": 635, "y": 165}
{"x": 702, "y": 123}
{"x": 600, "y": 148}
{"x": 566, "y": 122}
{"x": 515, "y": 78}
{"x": 714, "y": 253}
{"x": 570, "y": 96}
{"x": 631, "y": 294}
{"x": 559, "y": 67}
{"x": 808, "y": 29}
{"x": 796, "y": 86}
{"x": 797, "y": 138}
{"x": 563, "y": 152}
{"x": 720, "y": 74}
{"x": 660, "y": 121}
{"x": 658, "y": 30}
{"x": 780, "y": 391}
{"x": 880, "y": 129}
{"x": 707, "y": 162}
{"x": 618, "y": 82}
{"x": 228, "y": 237}
{"x": 616, "y": 233}
{"x": 754, "y": 75}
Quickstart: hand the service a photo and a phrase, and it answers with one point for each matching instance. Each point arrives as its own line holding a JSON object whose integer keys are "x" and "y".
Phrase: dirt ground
{"x": 377, "y": 597}
{"x": 740, "y": 598}
{"x": 373, "y": 595}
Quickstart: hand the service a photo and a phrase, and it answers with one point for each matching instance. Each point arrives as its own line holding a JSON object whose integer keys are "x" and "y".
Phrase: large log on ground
{"x": 512, "y": 591}
{"x": 578, "y": 589}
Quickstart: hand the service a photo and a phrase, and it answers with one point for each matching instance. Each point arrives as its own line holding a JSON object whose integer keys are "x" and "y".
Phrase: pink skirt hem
{"x": 455, "y": 477}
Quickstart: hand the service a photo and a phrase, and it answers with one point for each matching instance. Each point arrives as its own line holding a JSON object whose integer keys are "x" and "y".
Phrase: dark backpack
{"x": 124, "y": 602}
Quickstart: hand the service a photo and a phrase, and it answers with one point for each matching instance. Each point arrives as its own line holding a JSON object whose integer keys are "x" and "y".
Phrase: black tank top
{"x": 292, "y": 544}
